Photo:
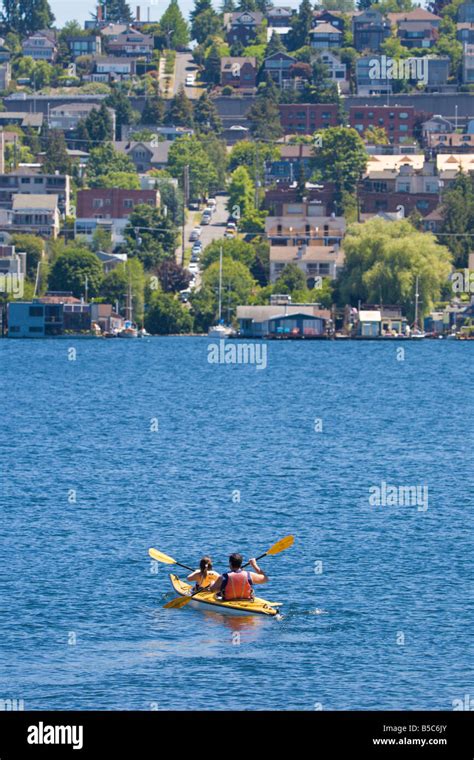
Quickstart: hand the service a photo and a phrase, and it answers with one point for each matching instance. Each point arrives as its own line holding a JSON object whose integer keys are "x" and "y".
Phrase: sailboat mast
{"x": 416, "y": 303}
{"x": 220, "y": 285}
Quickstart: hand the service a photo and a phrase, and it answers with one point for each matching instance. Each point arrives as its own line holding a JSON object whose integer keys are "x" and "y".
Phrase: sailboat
{"x": 129, "y": 328}
{"x": 416, "y": 331}
{"x": 220, "y": 330}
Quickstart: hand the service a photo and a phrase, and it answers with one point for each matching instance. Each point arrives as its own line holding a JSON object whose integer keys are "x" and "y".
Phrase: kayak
{"x": 207, "y": 601}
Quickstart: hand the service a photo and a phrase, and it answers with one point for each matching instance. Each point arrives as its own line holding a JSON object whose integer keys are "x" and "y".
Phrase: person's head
{"x": 205, "y": 565}
{"x": 235, "y": 561}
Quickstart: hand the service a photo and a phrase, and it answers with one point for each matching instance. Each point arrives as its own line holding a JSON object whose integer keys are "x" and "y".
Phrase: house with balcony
{"x": 131, "y": 44}
{"x": 293, "y": 163}
{"x": 26, "y": 181}
{"x": 242, "y": 26}
{"x": 450, "y": 143}
{"x": 278, "y": 66}
{"x": 32, "y": 214}
{"x": 370, "y": 29}
{"x": 84, "y": 45}
{"x": 109, "y": 209}
{"x": 305, "y": 224}
{"x": 337, "y": 71}
{"x": 239, "y": 71}
{"x": 419, "y": 35}
{"x": 108, "y": 69}
{"x": 324, "y": 36}
{"x": 41, "y": 46}
{"x": 314, "y": 261}
{"x": 334, "y": 18}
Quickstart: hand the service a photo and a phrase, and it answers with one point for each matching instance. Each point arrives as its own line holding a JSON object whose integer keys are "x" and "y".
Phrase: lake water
{"x": 378, "y": 608}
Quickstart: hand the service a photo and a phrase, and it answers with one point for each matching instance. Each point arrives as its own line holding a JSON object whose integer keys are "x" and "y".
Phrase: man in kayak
{"x": 238, "y": 583}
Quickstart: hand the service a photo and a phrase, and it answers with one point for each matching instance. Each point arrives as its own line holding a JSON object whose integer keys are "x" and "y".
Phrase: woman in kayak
{"x": 238, "y": 583}
{"x": 204, "y": 576}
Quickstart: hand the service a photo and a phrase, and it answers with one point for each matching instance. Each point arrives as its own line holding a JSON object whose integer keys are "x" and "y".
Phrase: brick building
{"x": 306, "y": 118}
{"x": 397, "y": 121}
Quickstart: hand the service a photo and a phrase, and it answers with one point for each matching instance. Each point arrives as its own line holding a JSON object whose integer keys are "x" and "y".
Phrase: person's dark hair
{"x": 235, "y": 560}
{"x": 205, "y": 565}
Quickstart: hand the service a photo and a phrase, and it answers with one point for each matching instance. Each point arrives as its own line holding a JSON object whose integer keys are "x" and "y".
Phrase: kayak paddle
{"x": 182, "y": 601}
{"x": 160, "y": 557}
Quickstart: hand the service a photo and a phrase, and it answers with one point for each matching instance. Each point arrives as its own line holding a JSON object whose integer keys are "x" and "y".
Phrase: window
{"x": 35, "y": 311}
{"x": 35, "y": 329}
{"x": 97, "y": 203}
{"x": 403, "y": 115}
{"x": 128, "y": 203}
{"x": 25, "y": 180}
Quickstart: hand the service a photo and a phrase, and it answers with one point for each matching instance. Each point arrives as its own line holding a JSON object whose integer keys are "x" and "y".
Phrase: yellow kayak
{"x": 206, "y": 600}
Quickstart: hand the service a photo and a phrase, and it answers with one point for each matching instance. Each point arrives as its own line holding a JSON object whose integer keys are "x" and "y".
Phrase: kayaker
{"x": 238, "y": 583}
{"x": 205, "y": 575}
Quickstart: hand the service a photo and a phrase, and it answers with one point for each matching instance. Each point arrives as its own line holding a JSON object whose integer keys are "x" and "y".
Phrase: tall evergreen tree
{"x": 117, "y": 11}
{"x": 275, "y": 45}
{"x": 180, "y": 113}
{"x": 56, "y": 158}
{"x": 27, "y": 16}
{"x": 174, "y": 26}
{"x": 301, "y": 25}
{"x": 212, "y": 65}
{"x": 206, "y": 115}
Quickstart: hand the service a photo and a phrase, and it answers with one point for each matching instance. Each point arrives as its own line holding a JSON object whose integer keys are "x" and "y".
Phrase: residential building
{"x": 41, "y": 46}
{"x": 374, "y": 75}
{"x": 307, "y": 118}
{"x": 242, "y": 26}
{"x": 284, "y": 319}
{"x": 109, "y": 209}
{"x": 28, "y": 182}
{"x": 12, "y": 262}
{"x": 450, "y": 143}
{"x": 294, "y": 162}
{"x": 397, "y": 121}
{"x": 437, "y": 124}
{"x": 465, "y": 33}
{"x": 337, "y": 71}
{"x": 279, "y": 17}
{"x": 5, "y": 75}
{"x": 468, "y": 64}
{"x": 103, "y": 315}
{"x": 416, "y": 16}
{"x": 21, "y": 119}
{"x": 370, "y": 30}
{"x": 67, "y": 117}
{"x": 466, "y": 13}
{"x": 59, "y": 313}
{"x": 278, "y": 66}
{"x": 325, "y": 36}
{"x": 84, "y": 45}
{"x": 111, "y": 32}
{"x": 131, "y": 43}
{"x": 283, "y": 200}
{"x": 334, "y": 18}
{"x": 305, "y": 224}
{"x": 419, "y": 35}
{"x": 145, "y": 155}
{"x": 109, "y": 69}
{"x": 367, "y": 83}
{"x": 313, "y": 260}
{"x": 238, "y": 71}
{"x": 32, "y": 214}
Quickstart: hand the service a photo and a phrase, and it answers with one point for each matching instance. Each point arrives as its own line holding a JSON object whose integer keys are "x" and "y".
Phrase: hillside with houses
{"x": 284, "y": 173}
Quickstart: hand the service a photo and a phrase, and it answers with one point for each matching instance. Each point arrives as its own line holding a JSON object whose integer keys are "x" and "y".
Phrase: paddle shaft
{"x": 256, "y": 559}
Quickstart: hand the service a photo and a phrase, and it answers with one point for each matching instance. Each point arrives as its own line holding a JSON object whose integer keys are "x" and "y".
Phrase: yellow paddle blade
{"x": 160, "y": 557}
{"x": 283, "y": 543}
{"x": 176, "y": 604}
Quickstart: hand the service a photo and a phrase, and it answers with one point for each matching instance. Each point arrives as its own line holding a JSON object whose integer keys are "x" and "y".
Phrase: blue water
{"x": 386, "y": 625}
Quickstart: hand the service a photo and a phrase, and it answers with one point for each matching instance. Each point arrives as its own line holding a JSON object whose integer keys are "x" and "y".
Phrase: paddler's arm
{"x": 259, "y": 576}
{"x": 195, "y": 576}
{"x": 216, "y": 586}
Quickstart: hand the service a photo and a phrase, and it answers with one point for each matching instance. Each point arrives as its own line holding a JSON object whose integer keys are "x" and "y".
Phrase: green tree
{"x": 212, "y": 65}
{"x": 236, "y": 249}
{"x": 116, "y": 11}
{"x": 27, "y": 16}
{"x": 105, "y": 160}
{"x": 264, "y": 115}
{"x": 292, "y": 278}
{"x": 383, "y": 260}
{"x": 254, "y": 156}
{"x": 206, "y": 115}
{"x": 241, "y": 193}
{"x": 275, "y": 45}
{"x": 237, "y": 285}
{"x": 171, "y": 196}
{"x": 204, "y": 22}
{"x": 180, "y": 113}
{"x": 174, "y": 26}
{"x": 376, "y": 136}
{"x": 301, "y": 25}
{"x": 458, "y": 218}
{"x": 70, "y": 269}
{"x": 33, "y": 246}
{"x": 96, "y": 127}
{"x": 116, "y": 284}
{"x": 151, "y": 236}
{"x": 341, "y": 159}
{"x": 122, "y": 180}
{"x": 154, "y": 111}
{"x": 56, "y": 156}
{"x": 203, "y": 177}
{"x": 166, "y": 316}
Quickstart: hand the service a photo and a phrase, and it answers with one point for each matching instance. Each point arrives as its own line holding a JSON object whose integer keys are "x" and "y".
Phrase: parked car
{"x": 229, "y": 234}
{"x": 190, "y": 79}
{"x": 206, "y": 219}
{"x": 196, "y": 249}
{"x": 232, "y": 226}
{"x": 195, "y": 234}
{"x": 212, "y": 203}
{"x": 184, "y": 295}
{"x": 193, "y": 267}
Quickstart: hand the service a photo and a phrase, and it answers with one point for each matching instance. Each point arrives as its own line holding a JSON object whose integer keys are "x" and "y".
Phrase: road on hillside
{"x": 210, "y": 232}
{"x": 183, "y": 67}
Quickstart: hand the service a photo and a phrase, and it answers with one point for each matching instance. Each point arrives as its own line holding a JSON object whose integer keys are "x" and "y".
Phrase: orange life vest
{"x": 238, "y": 586}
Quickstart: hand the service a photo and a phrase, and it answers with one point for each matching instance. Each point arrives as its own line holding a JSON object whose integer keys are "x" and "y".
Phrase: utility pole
{"x": 86, "y": 287}
{"x": 185, "y": 203}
